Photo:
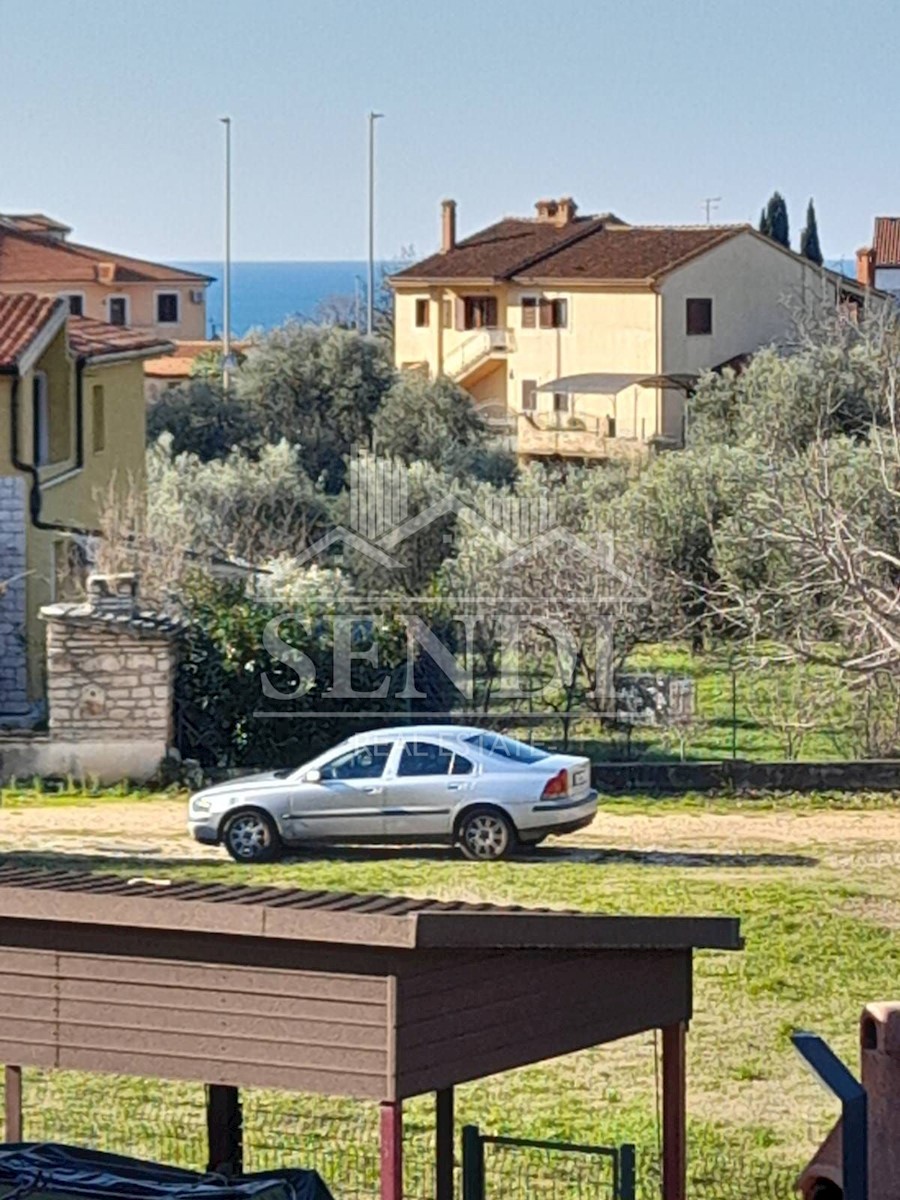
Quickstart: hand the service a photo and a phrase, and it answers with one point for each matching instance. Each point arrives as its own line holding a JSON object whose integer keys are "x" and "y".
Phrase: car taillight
{"x": 557, "y": 786}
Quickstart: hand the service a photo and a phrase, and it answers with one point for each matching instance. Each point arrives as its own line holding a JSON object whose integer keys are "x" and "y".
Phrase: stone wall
{"x": 874, "y": 775}
{"x": 14, "y": 704}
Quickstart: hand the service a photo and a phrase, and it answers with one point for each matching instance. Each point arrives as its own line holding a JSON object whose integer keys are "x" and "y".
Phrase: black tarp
{"x": 38, "y": 1170}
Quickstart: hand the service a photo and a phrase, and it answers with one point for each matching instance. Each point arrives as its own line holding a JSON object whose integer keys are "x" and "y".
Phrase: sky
{"x": 109, "y": 117}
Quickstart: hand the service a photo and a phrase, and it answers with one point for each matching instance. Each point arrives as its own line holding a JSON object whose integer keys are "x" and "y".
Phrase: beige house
{"x": 582, "y": 335}
{"x": 37, "y": 256}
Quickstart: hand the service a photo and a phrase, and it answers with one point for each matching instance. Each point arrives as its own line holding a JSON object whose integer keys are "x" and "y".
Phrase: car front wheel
{"x": 251, "y": 837}
{"x": 486, "y": 833}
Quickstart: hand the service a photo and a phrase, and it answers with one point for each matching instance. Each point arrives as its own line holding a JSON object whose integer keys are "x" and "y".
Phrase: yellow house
{"x": 37, "y": 256}
{"x": 72, "y": 421}
{"x": 582, "y": 335}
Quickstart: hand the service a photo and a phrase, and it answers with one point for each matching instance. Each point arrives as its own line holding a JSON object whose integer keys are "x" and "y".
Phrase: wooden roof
{"x": 363, "y": 919}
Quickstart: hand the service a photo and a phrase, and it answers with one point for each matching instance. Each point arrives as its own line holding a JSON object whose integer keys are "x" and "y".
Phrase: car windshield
{"x": 505, "y": 747}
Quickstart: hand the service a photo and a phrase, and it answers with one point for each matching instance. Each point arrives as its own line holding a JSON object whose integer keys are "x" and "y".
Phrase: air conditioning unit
{"x": 197, "y": 297}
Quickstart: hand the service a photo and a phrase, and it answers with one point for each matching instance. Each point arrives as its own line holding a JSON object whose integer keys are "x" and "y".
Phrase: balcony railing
{"x": 552, "y": 434}
{"x": 482, "y": 345}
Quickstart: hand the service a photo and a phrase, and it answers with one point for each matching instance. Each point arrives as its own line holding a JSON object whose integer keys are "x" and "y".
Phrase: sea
{"x": 266, "y": 294}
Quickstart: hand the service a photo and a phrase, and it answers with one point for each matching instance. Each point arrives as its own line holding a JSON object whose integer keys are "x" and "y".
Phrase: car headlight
{"x": 201, "y": 804}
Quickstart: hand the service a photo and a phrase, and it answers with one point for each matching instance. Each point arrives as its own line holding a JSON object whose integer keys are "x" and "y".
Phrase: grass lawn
{"x": 814, "y": 881}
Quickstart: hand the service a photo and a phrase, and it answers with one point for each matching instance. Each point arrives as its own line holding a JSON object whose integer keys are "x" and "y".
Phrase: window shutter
{"x": 459, "y": 306}
{"x": 529, "y": 395}
{"x": 560, "y": 313}
{"x": 529, "y": 312}
{"x": 546, "y": 314}
{"x": 490, "y": 312}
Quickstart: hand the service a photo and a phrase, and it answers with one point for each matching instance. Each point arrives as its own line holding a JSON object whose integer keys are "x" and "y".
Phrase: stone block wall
{"x": 13, "y": 651}
{"x": 108, "y": 679}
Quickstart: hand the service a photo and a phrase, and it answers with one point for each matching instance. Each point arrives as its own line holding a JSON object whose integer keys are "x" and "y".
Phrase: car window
{"x": 505, "y": 747}
{"x": 424, "y": 758}
{"x": 362, "y": 762}
{"x": 461, "y": 766}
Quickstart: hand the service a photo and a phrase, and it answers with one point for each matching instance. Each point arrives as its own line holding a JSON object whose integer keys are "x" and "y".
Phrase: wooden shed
{"x": 375, "y": 997}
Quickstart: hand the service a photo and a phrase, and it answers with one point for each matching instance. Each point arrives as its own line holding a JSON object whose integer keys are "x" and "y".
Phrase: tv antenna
{"x": 710, "y": 204}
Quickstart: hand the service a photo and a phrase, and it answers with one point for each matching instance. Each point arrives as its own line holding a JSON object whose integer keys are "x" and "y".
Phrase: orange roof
{"x": 25, "y": 317}
{"x": 96, "y": 339}
{"x": 179, "y": 364}
{"x": 886, "y": 242}
{"x": 27, "y": 257}
{"x": 22, "y": 320}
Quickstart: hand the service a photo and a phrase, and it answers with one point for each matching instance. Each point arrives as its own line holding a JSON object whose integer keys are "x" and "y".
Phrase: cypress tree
{"x": 777, "y": 217}
{"x": 764, "y": 226}
{"x": 809, "y": 238}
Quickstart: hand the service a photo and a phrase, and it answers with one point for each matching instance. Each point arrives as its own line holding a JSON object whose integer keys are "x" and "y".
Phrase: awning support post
{"x": 13, "y": 1104}
{"x": 392, "y": 1150}
{"x": 225, "y": 1130}
{"x": 674, "y": 1105}
{"x": 443, "y": 1144}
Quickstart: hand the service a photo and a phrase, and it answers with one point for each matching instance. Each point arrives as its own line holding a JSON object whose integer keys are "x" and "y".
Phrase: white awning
{"x": 610, "y": 384}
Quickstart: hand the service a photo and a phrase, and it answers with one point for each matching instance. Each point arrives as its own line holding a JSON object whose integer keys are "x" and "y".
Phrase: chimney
{"x": 448, "y": 225}
{"x": 546, "y": 210}
{"x": 115, "y": 594}
{"x": 106, "y": 272}
{"x": 565, "y": 211}
{"x": 865, "y": 266}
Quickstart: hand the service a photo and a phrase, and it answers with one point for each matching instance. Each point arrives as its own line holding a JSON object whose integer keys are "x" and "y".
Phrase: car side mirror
{"x": 313, "y": 776}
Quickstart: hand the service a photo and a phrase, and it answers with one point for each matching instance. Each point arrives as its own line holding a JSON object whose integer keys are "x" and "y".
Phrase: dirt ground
{"x": 157, "y": 830}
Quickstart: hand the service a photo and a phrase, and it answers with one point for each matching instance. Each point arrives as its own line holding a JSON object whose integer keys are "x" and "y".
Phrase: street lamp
{"x": 370, "y": 298}
{"x": 836, "y": 1077}
{"x": 228, "y": 362}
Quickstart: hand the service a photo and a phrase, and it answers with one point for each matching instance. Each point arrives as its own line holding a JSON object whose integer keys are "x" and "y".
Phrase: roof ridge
{"x": 594, "y": 225}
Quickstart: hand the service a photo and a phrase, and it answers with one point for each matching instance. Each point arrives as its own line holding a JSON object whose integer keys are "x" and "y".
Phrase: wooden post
{"x": 674, "y": 1101}
{"x": 224, "y": 1128}
{"x": 443, "y": 1144}
{"x": 13, "y": 1104}
{"x": 392, "y": 1150}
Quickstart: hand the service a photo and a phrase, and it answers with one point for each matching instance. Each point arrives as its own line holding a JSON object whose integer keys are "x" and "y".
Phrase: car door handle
{"x": 373, "y": 791}
{"x": 454, "y": 787}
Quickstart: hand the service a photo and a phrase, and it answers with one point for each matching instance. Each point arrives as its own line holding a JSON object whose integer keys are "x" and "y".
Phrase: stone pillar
{"x": 14, "y": 702}
{"x": 110, "y": 680}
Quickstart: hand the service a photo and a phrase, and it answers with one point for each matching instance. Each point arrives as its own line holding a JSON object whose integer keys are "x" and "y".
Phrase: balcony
{"x": 478, "y": 354}
{"x": 557, "y": 435}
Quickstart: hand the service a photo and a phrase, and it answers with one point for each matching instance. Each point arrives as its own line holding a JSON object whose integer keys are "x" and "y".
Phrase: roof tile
{"x": 31, "y": 258}
{"x": 886, "y": 243}
{"x": 22, "y": 317}
{"x": 592, "y": 248}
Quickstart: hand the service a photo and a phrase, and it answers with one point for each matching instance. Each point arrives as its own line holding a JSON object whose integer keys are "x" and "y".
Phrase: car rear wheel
{"x": 251, "y": 837}
{"x": 486, "y": 833}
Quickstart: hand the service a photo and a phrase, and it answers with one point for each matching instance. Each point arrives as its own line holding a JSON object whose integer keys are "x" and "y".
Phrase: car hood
{"x": 249, "y": 783}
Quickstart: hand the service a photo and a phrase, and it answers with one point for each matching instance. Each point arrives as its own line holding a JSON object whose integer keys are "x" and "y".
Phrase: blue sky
{"x": 643, "y": 107}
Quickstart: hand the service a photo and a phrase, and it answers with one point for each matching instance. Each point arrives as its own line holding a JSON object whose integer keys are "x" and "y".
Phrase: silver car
{"x": 446, "y": 784}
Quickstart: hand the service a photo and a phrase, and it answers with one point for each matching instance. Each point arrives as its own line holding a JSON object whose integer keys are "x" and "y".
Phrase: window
{"x": 611, "y": 426}
{"x": 118, "y": 310}
{"x": 699, "y": 316}
{"x": 560, "y": 402}
{"x": 51, "y": 420}
{"x": 76, "y": 304}
{"x": 98, "y": 418}
{"x": 549, "y": 314}
{"x": 167, "y": 308}
{"x": 447, "y": 314}
{"x": 479, "y": 312}
{"x": 362, "y": 762}
{"x": 529, "y": 395}
{"x": 422, "y": 307}
{"x": 461, "y": 766}
{"x": 529, "y": 312}
{"x": 424, "y": 758}
{"x": 505, "y": 747}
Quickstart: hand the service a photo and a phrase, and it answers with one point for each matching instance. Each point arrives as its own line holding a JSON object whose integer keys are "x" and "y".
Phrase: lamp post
{"x": 836, "y": 1077}
{"x": 227, "y": 360}
{"x": 370, "y": 297}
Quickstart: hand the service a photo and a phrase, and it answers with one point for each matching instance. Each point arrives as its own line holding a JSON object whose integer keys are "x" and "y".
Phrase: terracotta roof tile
{"x": 22, "y": 317}
{"x": 95, "y": 339}
{"x": 886, "y": 243}
{"x": 593, "y": 248}
{"x": 30, "y": 258}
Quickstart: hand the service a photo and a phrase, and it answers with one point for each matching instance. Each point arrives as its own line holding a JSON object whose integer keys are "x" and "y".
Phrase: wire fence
{"x": 166, "y": 1122}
